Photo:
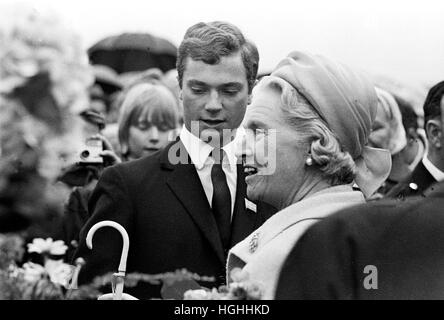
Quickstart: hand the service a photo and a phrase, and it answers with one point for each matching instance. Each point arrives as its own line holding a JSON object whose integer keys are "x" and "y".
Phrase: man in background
{"x": 431, "y": 169}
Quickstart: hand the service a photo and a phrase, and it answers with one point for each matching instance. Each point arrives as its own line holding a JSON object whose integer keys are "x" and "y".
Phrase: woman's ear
{"x": 434, "y": 132}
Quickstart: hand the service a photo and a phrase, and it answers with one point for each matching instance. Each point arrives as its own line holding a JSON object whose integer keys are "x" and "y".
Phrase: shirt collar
{"x": 434, "y": 171}
{"x": 199, "y": 150}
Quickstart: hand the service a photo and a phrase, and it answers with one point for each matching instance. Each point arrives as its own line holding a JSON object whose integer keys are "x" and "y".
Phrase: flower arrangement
{"x": 51, "y": 278}
{"x": 34, "y": 281}
{"x": 241, "y": 288}
{"x": 35, "y": 42}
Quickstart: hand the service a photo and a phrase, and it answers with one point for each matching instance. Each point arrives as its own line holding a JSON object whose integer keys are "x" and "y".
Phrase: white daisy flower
{"x": 47, "y": 246}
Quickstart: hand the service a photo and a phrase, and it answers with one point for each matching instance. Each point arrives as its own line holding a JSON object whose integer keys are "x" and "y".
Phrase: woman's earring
{"x": 309, "y": 161}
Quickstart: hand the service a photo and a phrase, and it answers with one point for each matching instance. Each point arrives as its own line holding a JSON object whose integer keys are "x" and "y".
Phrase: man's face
{"x": 214, "y": 96}
{"x": 441, "y": 127}
{"x": 435, "y": 136}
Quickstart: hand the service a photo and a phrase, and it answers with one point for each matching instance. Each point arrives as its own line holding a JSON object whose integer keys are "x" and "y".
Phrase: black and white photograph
{"x": 221, "y": 154}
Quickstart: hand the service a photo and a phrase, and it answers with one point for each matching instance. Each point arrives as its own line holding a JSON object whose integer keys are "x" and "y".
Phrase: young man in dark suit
{"x": 185, "y": 206}
{"x": 431, "y": 169}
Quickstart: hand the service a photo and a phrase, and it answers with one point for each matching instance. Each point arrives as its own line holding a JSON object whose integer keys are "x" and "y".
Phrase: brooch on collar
{"x": 254, "y": 242}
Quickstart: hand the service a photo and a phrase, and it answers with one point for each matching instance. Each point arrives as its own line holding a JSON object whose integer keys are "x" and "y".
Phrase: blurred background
{"x": 402, "y": 39}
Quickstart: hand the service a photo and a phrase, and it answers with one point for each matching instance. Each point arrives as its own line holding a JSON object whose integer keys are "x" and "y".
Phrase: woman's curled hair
{"x": 325, "y": 149}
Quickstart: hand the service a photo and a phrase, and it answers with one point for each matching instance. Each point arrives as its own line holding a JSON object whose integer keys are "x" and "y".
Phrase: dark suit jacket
{"x": 75, "y": 216}
{"x": 414, "y": 185}
{"x": 403, "y": 240}
{"x": 164, "y": 209}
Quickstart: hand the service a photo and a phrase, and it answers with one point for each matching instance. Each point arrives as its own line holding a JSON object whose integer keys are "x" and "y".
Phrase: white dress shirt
{"x": 199, "y": 152}
{"x": 434, "y": 171}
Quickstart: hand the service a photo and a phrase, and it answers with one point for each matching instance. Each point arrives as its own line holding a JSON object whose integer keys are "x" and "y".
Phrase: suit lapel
{"x": 244, "y": 221}
{"x": 422, "y": 177}
{"x": 185, "y": 183}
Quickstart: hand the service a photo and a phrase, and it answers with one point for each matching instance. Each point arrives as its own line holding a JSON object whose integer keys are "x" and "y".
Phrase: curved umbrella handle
{"x": 108, "y": 223}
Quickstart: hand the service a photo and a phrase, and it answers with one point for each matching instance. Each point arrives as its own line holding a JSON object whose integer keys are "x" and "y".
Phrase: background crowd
{"x": 67, "y": 113}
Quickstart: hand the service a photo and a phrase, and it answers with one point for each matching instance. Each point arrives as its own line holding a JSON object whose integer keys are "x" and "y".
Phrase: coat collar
{"x": 317, "y": 206}
{"x": 421, "y": 177}
{"x": 437, "y": 174}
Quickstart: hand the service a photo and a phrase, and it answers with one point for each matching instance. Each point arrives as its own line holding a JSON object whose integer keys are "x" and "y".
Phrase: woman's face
{"x": 146, "y": 138}
{"x": 275, "y": 164}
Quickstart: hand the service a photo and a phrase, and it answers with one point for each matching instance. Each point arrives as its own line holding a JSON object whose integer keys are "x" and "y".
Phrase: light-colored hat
{"x": 347, "y": 102}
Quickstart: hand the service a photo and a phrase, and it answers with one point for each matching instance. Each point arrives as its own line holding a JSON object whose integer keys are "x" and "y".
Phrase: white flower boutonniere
{"x": 250, "y": 205}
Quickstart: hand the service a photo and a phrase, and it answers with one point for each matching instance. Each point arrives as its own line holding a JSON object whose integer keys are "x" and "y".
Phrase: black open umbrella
{"x": 107, "y": 79}
{"x": 134, "y": 52}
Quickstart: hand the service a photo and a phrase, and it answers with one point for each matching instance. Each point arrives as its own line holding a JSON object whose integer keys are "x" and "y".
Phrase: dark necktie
{"x": 221, "y": 203}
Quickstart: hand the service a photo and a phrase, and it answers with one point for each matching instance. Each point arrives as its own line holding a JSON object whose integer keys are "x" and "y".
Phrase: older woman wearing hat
{"x": 308, "y": 125}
